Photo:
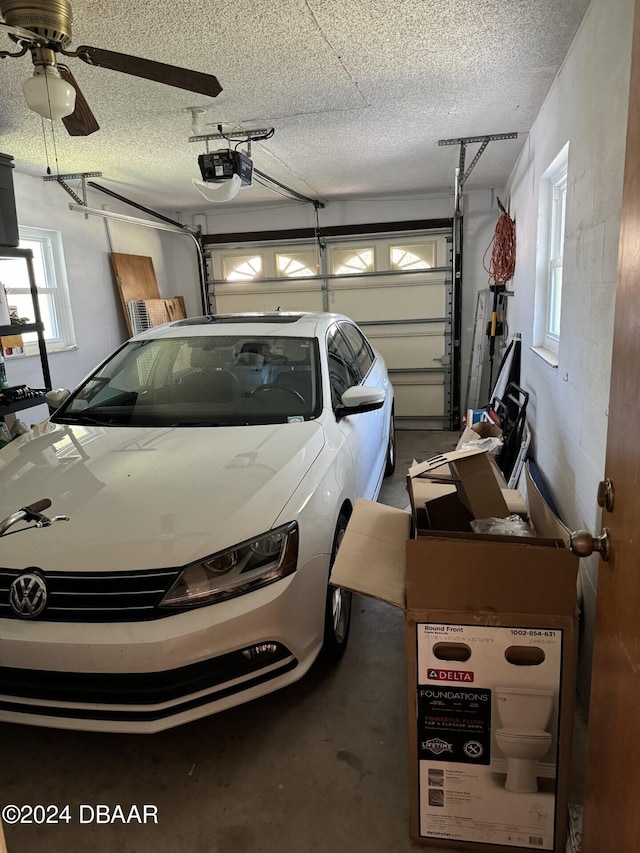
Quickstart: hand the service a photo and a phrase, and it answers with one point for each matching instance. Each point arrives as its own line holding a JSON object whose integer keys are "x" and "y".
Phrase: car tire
{"x": 337, "y": 614}
{"x": 390, "y": 465}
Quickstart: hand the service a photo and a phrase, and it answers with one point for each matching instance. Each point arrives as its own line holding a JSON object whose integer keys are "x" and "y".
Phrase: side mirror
{"x": 360, "y": 398}
{"x": 56, "y": 398}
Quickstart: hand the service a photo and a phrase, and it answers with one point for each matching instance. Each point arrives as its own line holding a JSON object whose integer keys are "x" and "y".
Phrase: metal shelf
{"x": 22, "y": 329}
{"x": 38, "y": 326}
{"x": 19, "y": 405}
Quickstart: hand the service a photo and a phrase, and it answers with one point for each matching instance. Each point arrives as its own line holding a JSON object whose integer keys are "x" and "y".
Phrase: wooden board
{"x": 135, "y": 278}
{"x": 136, "y": 281}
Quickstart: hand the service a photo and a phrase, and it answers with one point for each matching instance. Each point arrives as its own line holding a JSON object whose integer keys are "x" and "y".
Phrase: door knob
{"x": 582, "y": 543}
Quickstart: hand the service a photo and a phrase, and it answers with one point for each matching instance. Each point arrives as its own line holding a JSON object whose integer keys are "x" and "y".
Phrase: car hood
{"x": 148, "y": 497}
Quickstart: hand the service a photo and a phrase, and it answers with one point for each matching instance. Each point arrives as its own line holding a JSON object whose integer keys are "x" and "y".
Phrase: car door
{"x": 364, "y": 431}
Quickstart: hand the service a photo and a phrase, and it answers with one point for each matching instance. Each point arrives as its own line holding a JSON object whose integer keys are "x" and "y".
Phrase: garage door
{"x": 397, "y": 287}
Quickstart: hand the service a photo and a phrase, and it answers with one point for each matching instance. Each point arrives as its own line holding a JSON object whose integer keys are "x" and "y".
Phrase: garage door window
{"x": 51, "y": 282}
{"x": 290, "y": 265}
{"x": 413, "y": 257}
{"x": 349, "y": 261}
{"x": 242, "y": 268}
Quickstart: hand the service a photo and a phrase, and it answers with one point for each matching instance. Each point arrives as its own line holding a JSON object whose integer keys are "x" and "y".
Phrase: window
{"x": 53, "y": 291}
{"x": 350, "y": 261}
{"x": 552, "y": 211}
{"x": 343, "y": 369}
{"x": 242, "y": 268}
{"x": 413, "y": 257}
{"x": 291, "y": 265}
{"x": 360, "y": 346}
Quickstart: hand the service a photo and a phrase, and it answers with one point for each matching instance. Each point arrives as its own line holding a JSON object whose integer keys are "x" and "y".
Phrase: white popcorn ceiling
{"x": 359, "y": 92}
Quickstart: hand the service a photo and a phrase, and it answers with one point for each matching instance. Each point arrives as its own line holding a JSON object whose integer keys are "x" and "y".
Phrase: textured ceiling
{"x": 358, "y": 91}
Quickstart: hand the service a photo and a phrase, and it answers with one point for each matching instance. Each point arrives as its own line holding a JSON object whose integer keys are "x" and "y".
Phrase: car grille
{"x": 145, "y": 696}
{"x": 97, "y": 597}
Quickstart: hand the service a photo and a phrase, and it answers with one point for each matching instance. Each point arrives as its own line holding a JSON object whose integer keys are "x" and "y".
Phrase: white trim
{"x": 56, "y": 288}
{"x": 552, "y": 200}
{"x": 547, "y": 355}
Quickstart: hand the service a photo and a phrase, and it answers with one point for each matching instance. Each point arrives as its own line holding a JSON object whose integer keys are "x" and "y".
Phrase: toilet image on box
{"x": 524, "y": 715}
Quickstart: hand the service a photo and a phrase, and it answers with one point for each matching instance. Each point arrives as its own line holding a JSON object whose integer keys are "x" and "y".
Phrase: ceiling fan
{"x": 44, "y": 28}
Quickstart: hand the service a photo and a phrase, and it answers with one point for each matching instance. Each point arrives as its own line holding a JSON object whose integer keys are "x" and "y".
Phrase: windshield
{"x": 201, "y": 381}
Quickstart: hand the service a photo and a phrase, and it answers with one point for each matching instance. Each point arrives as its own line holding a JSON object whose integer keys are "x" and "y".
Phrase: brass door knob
{"x": 582, "y": 543}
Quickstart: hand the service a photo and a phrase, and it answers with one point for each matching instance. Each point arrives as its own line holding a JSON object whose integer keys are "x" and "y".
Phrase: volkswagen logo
{"x": 28, "y": 595}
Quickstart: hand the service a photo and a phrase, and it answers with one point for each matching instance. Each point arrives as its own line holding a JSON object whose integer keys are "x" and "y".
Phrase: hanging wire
{"x": 501, "y": 267}
{"x": 46, "y": 148}
{"x": 53, "y": 132}
{"x": 320, "y": 244}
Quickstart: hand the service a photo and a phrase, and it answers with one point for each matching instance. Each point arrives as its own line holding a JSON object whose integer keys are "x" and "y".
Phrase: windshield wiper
{"x": 198, "y": 424}
{"x": 83, "y": 418}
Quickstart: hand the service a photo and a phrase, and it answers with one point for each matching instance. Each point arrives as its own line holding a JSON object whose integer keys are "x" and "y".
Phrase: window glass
{"x": 360, "y": 346}
{"x": 51, "y": 282}
{"x": 415, "y": 256}
{"x": 242, "y": 267}
{"x": 292, "y": 265}
{"x": 552, "y": 215}
{"x": 346, "y": 261}
{"x": 343, "y": 369}
{"x": 208, "y": 380}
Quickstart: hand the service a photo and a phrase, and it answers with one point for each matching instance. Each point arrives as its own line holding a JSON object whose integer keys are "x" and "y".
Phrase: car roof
{"x": 276, "y": 323}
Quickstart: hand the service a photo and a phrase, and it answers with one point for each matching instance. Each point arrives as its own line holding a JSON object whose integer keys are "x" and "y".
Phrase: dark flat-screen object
{"x": 8, "y": 218}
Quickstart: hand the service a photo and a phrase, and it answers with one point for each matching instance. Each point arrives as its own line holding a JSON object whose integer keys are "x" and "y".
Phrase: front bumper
{"x": 149, "y": 676}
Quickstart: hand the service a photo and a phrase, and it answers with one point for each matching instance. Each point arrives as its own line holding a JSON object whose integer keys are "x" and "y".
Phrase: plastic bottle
{"x": 5, "y": 435}
{"x": 18, "y": 428}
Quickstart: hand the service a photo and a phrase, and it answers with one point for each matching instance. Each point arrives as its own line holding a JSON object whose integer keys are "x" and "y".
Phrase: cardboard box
{"x": 451, "y": 489}
{"x": 11, "y": 341}
{"x": 488, "y": 619}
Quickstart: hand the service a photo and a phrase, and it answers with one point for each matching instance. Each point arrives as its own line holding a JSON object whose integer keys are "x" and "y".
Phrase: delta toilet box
{"x": 491, "y": 637}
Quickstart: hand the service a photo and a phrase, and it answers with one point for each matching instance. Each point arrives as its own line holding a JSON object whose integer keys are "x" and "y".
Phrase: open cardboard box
{"x": 451, "y": 489}
{"x": 486, "y": 617}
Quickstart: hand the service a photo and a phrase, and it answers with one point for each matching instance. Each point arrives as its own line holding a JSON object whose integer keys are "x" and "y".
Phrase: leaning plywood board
{"x": 139, "y": 294}
{"x": 136, "y": 280}
{"x": 3, "y": 846}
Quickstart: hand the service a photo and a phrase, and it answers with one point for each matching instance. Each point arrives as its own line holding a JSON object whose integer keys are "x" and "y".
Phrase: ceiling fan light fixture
{"x": 47, "y": 94}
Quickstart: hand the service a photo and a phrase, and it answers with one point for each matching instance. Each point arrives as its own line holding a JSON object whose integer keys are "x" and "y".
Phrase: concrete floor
{"x": 320, "y": 766}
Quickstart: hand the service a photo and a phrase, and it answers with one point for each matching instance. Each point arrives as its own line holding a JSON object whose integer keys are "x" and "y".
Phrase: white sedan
{"x": 208, "y": 469}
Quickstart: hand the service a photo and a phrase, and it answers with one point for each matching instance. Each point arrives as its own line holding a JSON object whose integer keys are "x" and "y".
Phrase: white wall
{"x": 95, "y": 303}
{"x": 222, "y": 220}
{"x": 586, "y": 106}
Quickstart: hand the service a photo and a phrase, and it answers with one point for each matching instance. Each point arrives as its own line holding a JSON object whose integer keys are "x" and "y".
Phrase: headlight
{"x": 237, "y": 570}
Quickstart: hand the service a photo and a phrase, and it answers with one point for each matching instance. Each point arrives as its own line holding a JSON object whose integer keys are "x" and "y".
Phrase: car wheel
{"x": 337, "y": 615}
{"x": 390, "y": 466}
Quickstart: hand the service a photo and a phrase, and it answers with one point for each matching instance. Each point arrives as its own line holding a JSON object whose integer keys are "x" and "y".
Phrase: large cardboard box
{"x": 490, "y": 625}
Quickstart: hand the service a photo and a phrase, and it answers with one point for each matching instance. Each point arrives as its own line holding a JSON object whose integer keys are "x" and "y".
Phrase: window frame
{"x": 364, "y": 353}
{"x": 346, "y": 357}
{"x": 57, "y": 289}
{"x": 552, "y": 211}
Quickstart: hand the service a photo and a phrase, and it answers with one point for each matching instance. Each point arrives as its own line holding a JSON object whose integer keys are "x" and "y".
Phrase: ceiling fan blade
{"x": 170, "y": 75}
{"x": 82, "y": 121}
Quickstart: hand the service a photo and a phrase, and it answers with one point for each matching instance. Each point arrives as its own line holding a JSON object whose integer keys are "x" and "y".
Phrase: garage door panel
{"x": 371, "y": 299}
{"x": 419, "y": 401}
{"x": 236, "y": 297}
{"x": 396, "y": 286}
{"x": 409, "y": 346}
